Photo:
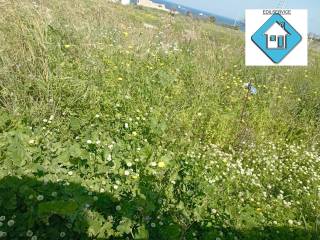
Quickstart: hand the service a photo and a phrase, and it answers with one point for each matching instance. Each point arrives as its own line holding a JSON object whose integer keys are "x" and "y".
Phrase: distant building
{"x": 125, "y": 2}
{"x": 313, "y": 36}
{"x": 150, "y": 4}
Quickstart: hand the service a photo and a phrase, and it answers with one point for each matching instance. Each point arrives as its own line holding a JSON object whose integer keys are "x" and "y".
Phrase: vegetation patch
{"x": 113, "y": 130}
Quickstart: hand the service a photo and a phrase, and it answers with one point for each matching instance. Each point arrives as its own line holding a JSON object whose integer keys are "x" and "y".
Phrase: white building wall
{"x": 125, "y": 2}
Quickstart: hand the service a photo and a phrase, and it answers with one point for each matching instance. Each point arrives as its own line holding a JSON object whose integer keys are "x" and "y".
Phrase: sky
{"x": 236, "y": 8}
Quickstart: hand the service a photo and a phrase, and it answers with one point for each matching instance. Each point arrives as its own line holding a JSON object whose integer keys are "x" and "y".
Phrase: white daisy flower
{"x": 29, "y": 233}
{"x": 40, "y": 197}
{"x": 129, "y": 164}
{"x": 3, "y": 234}
{"x": 11, "y": 223}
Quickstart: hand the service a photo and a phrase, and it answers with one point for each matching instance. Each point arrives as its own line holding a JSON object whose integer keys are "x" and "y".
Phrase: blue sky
{"x": 235, "y": 8}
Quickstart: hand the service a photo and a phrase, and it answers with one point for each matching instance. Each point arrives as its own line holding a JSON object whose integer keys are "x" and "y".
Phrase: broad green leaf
{"x": 142, "y": 233}
{"x": 75, "y": 124}
{"x": 16, "y": 152}
{"x": 75, "y": 150}
{"x": 125, "y": 226}
{"x": 64, "y": 157}
{"x": 97, "y": 226}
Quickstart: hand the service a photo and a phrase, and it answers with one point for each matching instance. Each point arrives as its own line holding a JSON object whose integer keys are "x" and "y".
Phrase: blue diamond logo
{"x": 276, "y": 38}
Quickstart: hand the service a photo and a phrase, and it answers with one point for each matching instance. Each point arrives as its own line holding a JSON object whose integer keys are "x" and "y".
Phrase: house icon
{"x": 276, "y": 36}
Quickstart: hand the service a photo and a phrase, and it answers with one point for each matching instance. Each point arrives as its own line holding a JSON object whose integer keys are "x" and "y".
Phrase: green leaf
{"x": 64, "y": 208}
{"x": 249, "y": 217}
{"x": 8, "y": 201}
{"x": 16, "y": 152}
{"x": 75, "y": 124}
{"x": 4, "y": 119}
{"x": 125, "y": 226}
{"x": 166, "y": 158}
{"x": 96, "y": 225}
{"x": 142, "y": 233}
{"x": 75, "y": 150}
{"x": 64, "y": 157}
{"x": 171, "y": 232}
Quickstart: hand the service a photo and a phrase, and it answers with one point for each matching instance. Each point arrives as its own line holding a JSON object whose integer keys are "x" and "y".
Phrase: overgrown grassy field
{"x": 126, "y": 123}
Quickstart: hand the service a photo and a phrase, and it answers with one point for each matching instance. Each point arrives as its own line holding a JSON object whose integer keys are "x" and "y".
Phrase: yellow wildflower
{"x": 161, "y": 164}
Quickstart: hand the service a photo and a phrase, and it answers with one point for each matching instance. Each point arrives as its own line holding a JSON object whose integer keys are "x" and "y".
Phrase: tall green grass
{"x": 70, "y": 52}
